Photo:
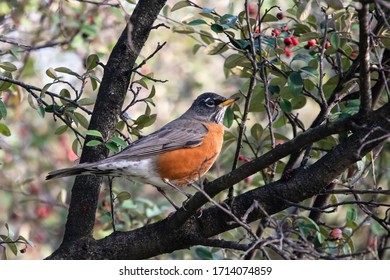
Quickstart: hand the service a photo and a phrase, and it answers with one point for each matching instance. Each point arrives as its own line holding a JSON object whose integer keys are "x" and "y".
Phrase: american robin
{"x": 177, "y": 154}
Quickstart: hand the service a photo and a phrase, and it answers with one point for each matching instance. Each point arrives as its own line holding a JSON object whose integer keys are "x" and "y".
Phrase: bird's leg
{"x": 167, "y": 197}
{"x": 166, "y": 181}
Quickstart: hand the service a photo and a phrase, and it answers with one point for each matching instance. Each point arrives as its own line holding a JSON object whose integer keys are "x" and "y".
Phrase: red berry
{"x": 252, "y": 9}
{"x": 353, "y": 55}
{"x": 275, "y": 33}
{"x": 280, "y": 15}
{"x": 247, "y": 159}
{"x": 287, "y": 52}
{"x": 257, "y": 29}
{"x": 327, "y": 44}
{"x": 42, "y": 211}
{"x": 294, "y": 41}
{"x": 248, "y": 180}
{"x": 285, "y": 28}
{"x": 287, "y": 41}
{"x": 241, "y": 157}
{"x": 336, "y": 233}
{"x": 312, "y": 42}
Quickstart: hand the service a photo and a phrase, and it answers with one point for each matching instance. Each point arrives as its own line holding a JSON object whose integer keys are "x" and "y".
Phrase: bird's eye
{"x": 210, "y": 103}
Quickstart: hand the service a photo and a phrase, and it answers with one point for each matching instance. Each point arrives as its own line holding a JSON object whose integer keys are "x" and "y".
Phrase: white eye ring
{"x": 209, "y": 103}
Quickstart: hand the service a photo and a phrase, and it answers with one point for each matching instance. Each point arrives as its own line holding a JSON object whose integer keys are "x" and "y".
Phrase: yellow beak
{"x": 229, "y": 101}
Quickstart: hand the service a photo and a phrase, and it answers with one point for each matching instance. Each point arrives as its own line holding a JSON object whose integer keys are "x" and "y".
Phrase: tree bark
{"x": 109, "y": 102}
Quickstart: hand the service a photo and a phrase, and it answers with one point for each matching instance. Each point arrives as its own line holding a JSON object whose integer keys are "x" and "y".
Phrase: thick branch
{"x": 364, "y": 56}
{"x": 112, "y": 92}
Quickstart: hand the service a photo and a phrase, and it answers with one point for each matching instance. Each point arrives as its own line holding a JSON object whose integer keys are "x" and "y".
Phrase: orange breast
{"x": 189, "y": 164}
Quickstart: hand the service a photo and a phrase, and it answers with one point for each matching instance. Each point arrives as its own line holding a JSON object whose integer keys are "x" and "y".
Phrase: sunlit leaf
{"x": 257, "y": 131}
{"x": 197, "y": 22}
{"x": 4, "y": 130}
{"x": 8, "y": 66}
{"x": 66, "y": 71}
{"x": 92, "y": 61}
{"x": 93, "y": 143}
{"x": 92, "y": 132}
{"x": 51, "y": 73}
{"x": 61, "y": 129}
{"x": 180, "y": 5}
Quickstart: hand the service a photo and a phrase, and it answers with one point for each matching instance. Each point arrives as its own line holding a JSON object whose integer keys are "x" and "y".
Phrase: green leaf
{"x": 52, "y": 108}
{"x": 310, "y": 71}
{"x": 94, "y": 81}
{"x": 257, "y": 131}
{"x": 5, "y": 85}
{"x": 61, "y": 129}
{"x": 183, "y": 29}
{"x": 8, "y": 66}
{"x": 298, "y": 102}
{"x": 92, "y": 132}
{"x": 118, "y": 141}
{"x": 44, "y": 89}
{"x": 41, "y": 111}
{"x": 10, "y": 243}
{"x": 285, "y": 105}
{"x": 295, "y": 83}
{"x": 3, "y": 110}
{"x": 334, "y": 40}
{"x": 81, "y": 119}
{"x": 51, "y": 73}
{"x": 123, "y": 196}
{"x": 269, "y": 18}
{"x": 180, "y": 5}
{"x": 66, "y": 71}
{"x": 203, "y": 253}
{"x": 206, "y": 37}
{"x": 240, "y": 44}
{"x": 86, "y": 101}
{"x": 152, "y": 92}
{"x": 112, "y": 147}
{"x": 4, "y": 130}
{"x": 216, "y": 48}
{"x": 197, "y": 22}
{"x": 195, "y": 48}
{"x": 351, "y": 214}
{"x": 237, "y": 60}
{"x": 93, "y": 143}
{"x": 229, "y": 117}
{"x": 75, "y": 146}
{"x": 92, "y": 61}
{"x": 217, "y": 28}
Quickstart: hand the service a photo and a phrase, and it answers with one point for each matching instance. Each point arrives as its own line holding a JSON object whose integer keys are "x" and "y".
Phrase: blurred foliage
{"x": 53, "y": 53}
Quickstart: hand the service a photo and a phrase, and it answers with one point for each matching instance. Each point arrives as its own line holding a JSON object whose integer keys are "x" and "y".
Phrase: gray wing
{"x": 181, "y": 133}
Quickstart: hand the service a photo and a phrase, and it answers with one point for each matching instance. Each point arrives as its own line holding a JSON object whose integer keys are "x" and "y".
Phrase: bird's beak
{"x": 229, "y": 101}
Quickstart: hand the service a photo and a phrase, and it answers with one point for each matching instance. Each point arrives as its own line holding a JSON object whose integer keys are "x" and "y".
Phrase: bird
{"x": 175, "y": 155}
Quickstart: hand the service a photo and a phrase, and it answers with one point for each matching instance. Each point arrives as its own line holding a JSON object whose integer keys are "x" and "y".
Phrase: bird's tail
{"x": 81, "y": 169}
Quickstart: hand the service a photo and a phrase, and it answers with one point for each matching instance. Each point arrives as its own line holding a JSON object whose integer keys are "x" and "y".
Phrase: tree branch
{"x": 111, "y": 95}
{"x": 181, "y": 231}
{"x": 364, "y": 57}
